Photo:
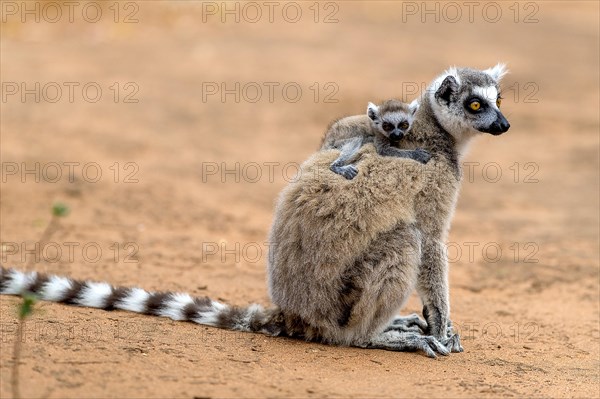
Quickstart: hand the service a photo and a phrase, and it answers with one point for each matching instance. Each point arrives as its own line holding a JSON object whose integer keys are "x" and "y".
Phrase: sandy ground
{"x": 524, "y": 244}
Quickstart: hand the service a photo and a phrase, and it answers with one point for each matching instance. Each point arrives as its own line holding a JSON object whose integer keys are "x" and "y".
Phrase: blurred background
{"x": 169, "y": 127}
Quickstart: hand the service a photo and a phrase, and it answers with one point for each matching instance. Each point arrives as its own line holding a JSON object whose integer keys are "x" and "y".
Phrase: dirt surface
{"x": 525, "y": 298}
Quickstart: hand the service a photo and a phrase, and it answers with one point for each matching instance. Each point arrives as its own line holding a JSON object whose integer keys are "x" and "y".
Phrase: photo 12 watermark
{"x": 69, "y": 172}
{"x": 105, "y": 331}
{"x": 254, "y": 92}
{"x": 465, "y": 252}
{"x": 253, "y": 12}
{"x": 289, "y": 172}
{"x": 52, "y": 12}
{"x": 516, "y": 92}
{"x": 68, "y": 252}
{"x": 495, "y": 332}
{"x": 494, "y": 172}
{"x": 71, "y": 92}
{"x": 453, "y": 12}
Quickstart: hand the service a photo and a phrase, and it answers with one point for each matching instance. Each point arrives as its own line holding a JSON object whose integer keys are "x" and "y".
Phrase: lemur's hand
{"x": 453, "y": 339}
{"x": 421, "y": 155}
{"x": 441, "y": 328}
{"x": 348, "y": 171}
{"x": 453, "y": 343}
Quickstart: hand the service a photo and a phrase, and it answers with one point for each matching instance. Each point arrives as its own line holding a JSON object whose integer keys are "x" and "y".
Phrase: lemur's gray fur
{"x": 344, "y": 255}
{"x": 384, "y": 126}
{"x": 347, "y": 254}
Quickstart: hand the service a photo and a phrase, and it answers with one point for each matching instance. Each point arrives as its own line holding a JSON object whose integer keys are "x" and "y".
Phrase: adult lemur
{"x": 345, "y": 254}
{"x": 384, "y": 126}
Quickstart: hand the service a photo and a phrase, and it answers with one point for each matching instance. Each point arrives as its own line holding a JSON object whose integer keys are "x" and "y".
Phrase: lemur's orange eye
{"x": 498, "y": 102}
{"x": 475, "y": 105}
{"x": 403, "y": 125}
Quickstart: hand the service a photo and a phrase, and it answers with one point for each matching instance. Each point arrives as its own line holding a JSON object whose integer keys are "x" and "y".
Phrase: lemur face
{"x": 392, "y": 118}
{"x": 469, "y": 100}
{"x": 393, "y": 125}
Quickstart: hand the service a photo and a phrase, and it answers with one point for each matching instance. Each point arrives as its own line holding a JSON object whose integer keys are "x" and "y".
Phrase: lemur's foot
{"x": 410, "y": 323}
{"x": 430, "y": 345}
{"x": 409, "y": 342}
{"x": 348, "y": 171}
{"x": 452, "y": 340}
{"x": 421, "y": 155}
{"x": 453, "y": 343}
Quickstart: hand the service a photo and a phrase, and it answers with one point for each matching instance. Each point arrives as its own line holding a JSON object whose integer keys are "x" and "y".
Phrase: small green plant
{"x": 59, "y": 210}
{"x": 25, "y": 309}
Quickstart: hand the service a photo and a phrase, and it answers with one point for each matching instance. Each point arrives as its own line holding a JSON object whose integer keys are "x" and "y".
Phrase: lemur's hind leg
{"x": 347, "y": 155}
{"x": 410, "y": 323}
{"x": 408, "y": 342}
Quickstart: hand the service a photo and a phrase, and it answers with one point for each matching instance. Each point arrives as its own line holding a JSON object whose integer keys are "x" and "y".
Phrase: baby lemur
{"x": 384, "y": 126}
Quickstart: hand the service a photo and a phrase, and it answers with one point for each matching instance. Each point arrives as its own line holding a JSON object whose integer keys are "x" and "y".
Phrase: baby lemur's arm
{"x": 344, "y": 164}
{"x": 418, "y": 154}
{"x": 385, "y": 148}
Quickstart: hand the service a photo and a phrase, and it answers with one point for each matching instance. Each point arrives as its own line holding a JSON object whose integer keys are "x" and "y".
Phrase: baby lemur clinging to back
{"x": 384, "y": 126}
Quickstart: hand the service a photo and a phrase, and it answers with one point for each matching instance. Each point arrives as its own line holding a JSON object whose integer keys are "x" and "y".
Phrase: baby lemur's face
{"x": 392, "y": 118}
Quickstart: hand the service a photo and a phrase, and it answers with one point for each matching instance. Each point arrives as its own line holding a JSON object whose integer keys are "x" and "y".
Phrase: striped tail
{"x": 176, "y": 306}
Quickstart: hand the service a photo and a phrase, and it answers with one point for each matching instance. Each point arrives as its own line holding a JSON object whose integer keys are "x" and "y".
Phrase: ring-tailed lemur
{"x": 328, "y": 288}
{"x": 384, "y": 126}
{"x": 369, "y": 258}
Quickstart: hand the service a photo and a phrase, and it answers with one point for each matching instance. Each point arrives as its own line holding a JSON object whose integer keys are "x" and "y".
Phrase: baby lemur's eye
{"x": 475, "y": 105}
{"x": 388, "y": 127}
{"x": 403, "y": 125}
{"x": 499, "y": 101}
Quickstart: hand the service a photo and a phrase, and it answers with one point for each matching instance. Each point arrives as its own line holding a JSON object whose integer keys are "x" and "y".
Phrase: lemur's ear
{"x": 448, "y": 87}
{"x": 372, "y": 111}
{"x": 497, "y": 72}
{"x": 413, "y": 106}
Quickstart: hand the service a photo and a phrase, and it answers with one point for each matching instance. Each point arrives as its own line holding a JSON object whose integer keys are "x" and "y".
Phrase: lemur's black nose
{"x": 396, "y": 136}
{"x": 500, "y": 125}
{"x": 504, "y": 126}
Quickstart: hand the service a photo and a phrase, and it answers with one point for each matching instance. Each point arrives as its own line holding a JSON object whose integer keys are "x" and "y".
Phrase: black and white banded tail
{"x": 176, "y": 306}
